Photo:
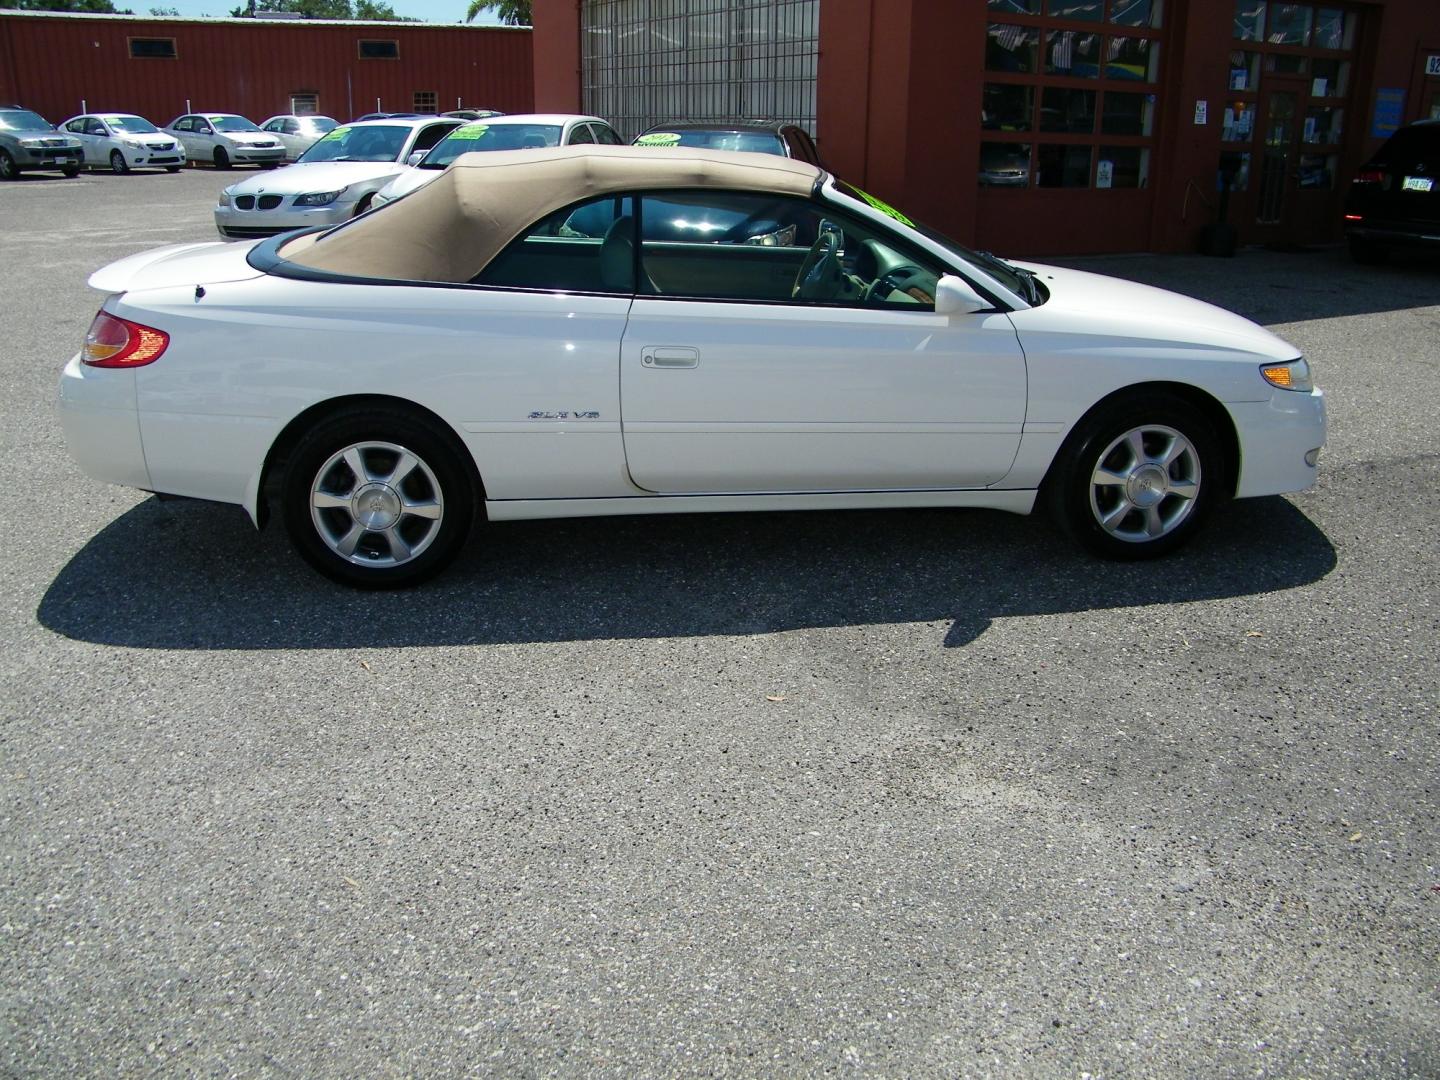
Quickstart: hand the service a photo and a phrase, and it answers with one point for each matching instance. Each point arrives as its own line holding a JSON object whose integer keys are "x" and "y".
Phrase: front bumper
{"x": 256, "y": 155}
{"x": 237, "y": 224}
{"x": 1280, "y": 440}
{"x": 149, "y": 157}
{"x": 48, "y": 157}
{"x": 98, "y": 417}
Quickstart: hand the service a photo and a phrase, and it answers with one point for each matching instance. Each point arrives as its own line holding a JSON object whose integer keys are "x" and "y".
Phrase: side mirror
{"x": 415, "y": 158}
{"x": 954, "y": 296}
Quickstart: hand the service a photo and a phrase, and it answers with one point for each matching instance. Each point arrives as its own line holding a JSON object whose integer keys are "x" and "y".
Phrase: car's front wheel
{"x": 1138, "y": 477}
{"x": 221, "y": 158}
{"x": 378, "y": 499}
{"x": 117, "y": 163}
{"x": 8, "y": 169}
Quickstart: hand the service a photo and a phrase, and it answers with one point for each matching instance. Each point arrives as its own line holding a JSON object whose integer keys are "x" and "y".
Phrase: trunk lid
{"x": 178, "y": 264}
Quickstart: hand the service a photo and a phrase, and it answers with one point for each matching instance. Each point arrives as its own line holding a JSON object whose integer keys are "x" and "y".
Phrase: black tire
{"x": 1138, "y": 506}
{"x": 321, "y": 493}
{"x": 1367, "y": 252}
{"x": 172, "y": 168}
{"x": 221, "y": 158}
{"x": 117, "y": 163}
{"x": 72, "y": 171}
{"x": 8, "y": 168}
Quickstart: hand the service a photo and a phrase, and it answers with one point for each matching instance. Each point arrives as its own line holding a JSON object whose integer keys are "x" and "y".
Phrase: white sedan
{"x": 225, "y": 139}
{"x": 334, "y": 180}
{"x": 298, "y": 133}
{"x": 602, "y": 330}
{"x": 123, "y": 141}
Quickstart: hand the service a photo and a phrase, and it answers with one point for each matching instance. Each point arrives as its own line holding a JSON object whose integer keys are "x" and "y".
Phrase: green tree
{"x": 164, "y": 11}
{"x": 97, "y": 7}
{"x": 511, "y": 12}
{"x": 378, "y": 10}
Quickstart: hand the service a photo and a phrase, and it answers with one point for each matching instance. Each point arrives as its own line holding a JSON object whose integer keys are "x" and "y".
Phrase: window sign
{"x": 1432, "y": 65}
{"x": 1104, "y": 174}
{"x": 1389, "y": 111}
{"x": 1202, "y": 110}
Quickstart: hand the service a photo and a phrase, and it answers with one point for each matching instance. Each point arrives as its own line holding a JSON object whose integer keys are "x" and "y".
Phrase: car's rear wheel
{"x": 221, "y": 158}
{"x": 1137, "y": 478}
{"x": 117, "y": 162}
{"x": 8, "y": 171}
{"x": 377, "y": 499}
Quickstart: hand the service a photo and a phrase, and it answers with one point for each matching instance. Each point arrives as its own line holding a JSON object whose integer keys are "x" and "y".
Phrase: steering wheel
{"x": 907, "y": 279}
{"x": 820, "y": 267}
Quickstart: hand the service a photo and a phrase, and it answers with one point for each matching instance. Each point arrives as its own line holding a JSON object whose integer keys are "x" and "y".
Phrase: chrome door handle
{"x": 669, "y": 357}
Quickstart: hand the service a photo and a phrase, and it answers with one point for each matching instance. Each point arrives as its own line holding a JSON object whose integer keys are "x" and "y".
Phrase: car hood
{"x": 176, "y": 264}
{"x": 64, "y": 137}
{"x": 1090, "y": 303}
{"x": 408, "y": 181}
{"x": 315, "y": 176}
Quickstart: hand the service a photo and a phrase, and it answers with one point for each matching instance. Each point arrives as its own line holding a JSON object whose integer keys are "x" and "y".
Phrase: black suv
{"x": 1394, "y": 200}
{"x": 29, "y": 141}
{"x": 753, "y": 136}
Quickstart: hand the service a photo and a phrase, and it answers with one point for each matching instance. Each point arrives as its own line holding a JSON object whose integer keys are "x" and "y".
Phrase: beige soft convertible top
{"x": 451, "y": 228}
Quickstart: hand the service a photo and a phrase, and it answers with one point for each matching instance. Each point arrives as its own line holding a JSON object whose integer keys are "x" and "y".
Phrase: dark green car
{"x": 28, "y": 142}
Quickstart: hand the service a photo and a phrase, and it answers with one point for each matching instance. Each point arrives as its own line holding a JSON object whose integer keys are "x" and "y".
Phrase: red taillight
{"x": 1370, "y": 176}
{"x": 1354, "y": 217}
{"x": 119, "y": 343}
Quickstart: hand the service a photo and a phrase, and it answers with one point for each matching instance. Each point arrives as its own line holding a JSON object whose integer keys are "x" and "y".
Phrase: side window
{"x": 290, "y": 127}
{"x": 776, "y": 249}
{"x": 432, "y": 135}
{"x": 201, "y": 127}
{"x": 77, "y": 126}
{"x": 588, "y": 247}
{"x": 95, "y": 127}
{"x": 183, "y": 124}
{"x": 605, "y": 134}
{"x": 580, "y": 133}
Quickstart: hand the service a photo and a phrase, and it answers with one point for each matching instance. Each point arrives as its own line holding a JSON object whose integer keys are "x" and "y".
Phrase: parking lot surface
{"x": 907, "y": 794}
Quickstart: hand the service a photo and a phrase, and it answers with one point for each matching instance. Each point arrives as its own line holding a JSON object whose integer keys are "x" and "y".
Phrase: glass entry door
{"x": 1279, "y": 171}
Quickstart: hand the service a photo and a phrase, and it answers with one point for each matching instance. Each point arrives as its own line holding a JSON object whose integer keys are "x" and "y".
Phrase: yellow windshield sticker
{"x": 469, "y": 133}
{"x": 884, "y": 207}
{"x": 337, "y": 134}
{"x": 659, "y": 138}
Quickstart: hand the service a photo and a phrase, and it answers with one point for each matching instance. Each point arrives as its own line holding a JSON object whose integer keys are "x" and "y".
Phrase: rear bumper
{"x": 1276, "y": 436}
{"x": 97, "y": 414}
{"x": 1424, "y": 235}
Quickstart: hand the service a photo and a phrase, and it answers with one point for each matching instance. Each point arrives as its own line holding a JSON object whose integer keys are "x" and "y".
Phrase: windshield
{"x": 231, "y": 123}
{"x": 1020, "y": 282}
{"x": 24, "y": 120}
{"x": 753, "y": 142}
{"x": 381, "y": 142}
{"x": 472, "y": 137}
{"x": 132, "y": 125}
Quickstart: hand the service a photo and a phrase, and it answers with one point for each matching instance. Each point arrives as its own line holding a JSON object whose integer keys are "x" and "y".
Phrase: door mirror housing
{"x": 954, "y": 296}
{"x": 415, "y": 157}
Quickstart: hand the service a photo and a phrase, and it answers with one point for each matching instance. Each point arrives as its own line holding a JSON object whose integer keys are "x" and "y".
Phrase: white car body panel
{"x": 785, "y": 406}
{"x": 158, "y": 149}
{"x": 295, "y": 143}
{"x": 797, "y": 398}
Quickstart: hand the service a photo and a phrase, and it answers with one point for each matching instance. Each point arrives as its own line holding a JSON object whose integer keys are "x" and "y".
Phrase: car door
{"x": 99, "y": 141}
{"x": 730, "y": 382}
{"x": 77, "y": 128}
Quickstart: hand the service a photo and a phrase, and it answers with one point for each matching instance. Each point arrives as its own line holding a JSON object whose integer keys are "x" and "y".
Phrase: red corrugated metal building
{"x": 152, "y": 66}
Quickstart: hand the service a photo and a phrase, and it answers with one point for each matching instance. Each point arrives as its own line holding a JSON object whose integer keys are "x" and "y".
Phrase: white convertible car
{"x": 606, "y": 330}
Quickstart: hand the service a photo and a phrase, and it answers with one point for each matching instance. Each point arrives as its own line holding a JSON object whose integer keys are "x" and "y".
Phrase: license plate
{"x": 1417, "y": 183}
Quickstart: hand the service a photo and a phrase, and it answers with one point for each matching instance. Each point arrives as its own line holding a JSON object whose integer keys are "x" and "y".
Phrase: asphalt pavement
{"x": 897, "y": 794}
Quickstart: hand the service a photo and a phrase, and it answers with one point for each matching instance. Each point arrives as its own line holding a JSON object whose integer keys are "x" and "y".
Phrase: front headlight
{"x": 31, "y": 144}
{"x": 225, "y": 197}
{"x": 133, "y": 144}
{"x": 319, "y": 198}
{"x": 1292, "y": 376}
